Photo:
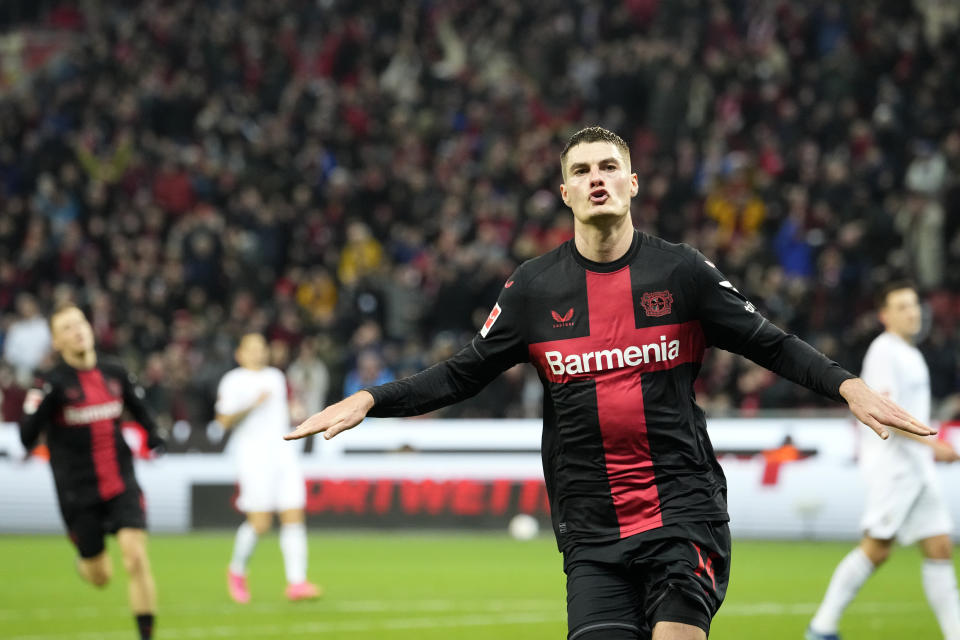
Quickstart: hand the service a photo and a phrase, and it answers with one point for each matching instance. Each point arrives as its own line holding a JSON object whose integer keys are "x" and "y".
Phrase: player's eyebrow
{"x": 586, "y": 165}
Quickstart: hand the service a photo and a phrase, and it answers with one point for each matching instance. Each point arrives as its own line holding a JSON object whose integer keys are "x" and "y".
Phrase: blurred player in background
{"x": 904, "y": 499}
{"x": 78, "y": 405}
{"x": 252, "y": 401}
{"x": 616, "y": 322}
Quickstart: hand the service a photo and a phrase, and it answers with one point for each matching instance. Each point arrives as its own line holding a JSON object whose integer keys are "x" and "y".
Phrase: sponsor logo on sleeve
{"x": 491, "y": 319}
{"x": 657, "y": 303}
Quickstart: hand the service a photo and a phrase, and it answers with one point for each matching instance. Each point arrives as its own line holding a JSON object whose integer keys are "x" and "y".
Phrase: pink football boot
{"x": 237, "y": 586}
{"x": 303, "y": 591}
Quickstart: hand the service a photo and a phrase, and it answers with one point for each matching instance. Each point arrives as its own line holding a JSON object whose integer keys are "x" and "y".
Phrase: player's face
{"x": 902, "y": 315}
{"x": 598, "y": 183}
{"x": 252, "y": 352}
{"x": 71, "y": 332}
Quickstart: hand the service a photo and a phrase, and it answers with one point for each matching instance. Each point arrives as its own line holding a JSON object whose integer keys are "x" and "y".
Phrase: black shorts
{"x": 622, "y": 589}
{"x": 88, "y": 525}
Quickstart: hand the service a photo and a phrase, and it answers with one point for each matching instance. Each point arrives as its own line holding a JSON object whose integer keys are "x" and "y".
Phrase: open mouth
{"x": 599, "y": 196}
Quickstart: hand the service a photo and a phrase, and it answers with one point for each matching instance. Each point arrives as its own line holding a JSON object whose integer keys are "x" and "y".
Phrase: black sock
{"x": 145, "y": 625}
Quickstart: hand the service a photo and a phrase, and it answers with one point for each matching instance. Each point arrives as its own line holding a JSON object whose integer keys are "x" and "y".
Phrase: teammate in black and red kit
{"x": 78, "y": 405}
{"x": 616, "y": 323}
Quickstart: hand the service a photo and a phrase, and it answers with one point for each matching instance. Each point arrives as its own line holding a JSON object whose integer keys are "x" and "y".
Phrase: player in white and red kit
{"x": 904, "y": 499}
{"x": 252, "y": 402}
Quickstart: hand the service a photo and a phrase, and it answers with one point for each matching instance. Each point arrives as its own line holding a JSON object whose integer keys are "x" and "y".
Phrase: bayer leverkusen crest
{"x": 657, "y": 303}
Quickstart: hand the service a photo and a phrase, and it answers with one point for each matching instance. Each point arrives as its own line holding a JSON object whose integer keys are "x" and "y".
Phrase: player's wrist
{"x": 366, "y": 398}
{"x": 849, "y": 387}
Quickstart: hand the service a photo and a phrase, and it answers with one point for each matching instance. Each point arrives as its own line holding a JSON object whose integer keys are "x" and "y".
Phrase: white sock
{"x": 847, "y": 579}
{"x": 940, "y": 585}
{"x": 243, "y": 545}
{"x": 293, "y": 544}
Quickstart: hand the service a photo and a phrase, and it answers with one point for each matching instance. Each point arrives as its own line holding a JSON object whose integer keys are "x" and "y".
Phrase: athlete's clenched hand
{"x": 338, "y": 417}
{"x": 879, "y": 412}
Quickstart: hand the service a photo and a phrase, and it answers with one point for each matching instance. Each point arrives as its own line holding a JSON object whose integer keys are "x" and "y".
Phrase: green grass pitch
{"x": 419, "y": 586}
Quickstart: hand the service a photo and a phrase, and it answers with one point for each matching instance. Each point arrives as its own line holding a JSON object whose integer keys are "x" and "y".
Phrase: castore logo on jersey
{"x": 566, "y": 320}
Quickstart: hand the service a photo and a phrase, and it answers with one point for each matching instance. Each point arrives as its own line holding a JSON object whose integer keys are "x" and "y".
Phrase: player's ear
{"x": 564, "y": 195}
{"x": 634, "y": 185}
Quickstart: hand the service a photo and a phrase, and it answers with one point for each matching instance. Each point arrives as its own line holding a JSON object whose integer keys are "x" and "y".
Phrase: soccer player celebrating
{"x": 903, "y": 497}
{"x": 616, "y": 323}
{"x": 269, "y": 473}
{"x": 78, "y": 405}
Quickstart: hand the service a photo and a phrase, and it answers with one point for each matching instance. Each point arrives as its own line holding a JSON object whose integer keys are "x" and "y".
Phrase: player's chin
{"x": 601, "y": 213}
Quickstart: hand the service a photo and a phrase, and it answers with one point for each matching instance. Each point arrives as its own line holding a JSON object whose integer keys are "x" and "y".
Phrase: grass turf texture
{"x": 408, "y": 586}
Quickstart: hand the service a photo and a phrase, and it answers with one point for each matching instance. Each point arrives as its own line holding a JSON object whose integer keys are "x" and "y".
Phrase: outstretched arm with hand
{"x": 879, "y": 412}
{"x": 338, "y": 417}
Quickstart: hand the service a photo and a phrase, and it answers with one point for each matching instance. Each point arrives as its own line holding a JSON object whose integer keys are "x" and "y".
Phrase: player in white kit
{"x": 252, "y": 402}
{"x": 904, "y": 499}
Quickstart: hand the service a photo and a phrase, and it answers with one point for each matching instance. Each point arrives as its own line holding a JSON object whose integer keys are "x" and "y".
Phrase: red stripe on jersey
{"x": 102, "y": 436}
{"x": 614, "y": 356}
{"x": 623, "y": 426}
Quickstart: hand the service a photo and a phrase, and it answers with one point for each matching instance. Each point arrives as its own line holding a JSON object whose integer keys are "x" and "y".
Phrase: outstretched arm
{"x": 338, "y": 417}
{"x": 732, "y": 323}
{"x": 497, "y": 346}
{"x": 879, "y": 412}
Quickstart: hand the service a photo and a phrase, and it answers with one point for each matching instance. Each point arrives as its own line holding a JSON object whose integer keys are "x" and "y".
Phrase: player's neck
{"x": 82, "y": 360}
{"x": 908, "y": 338}
{"x": 603, "y": 243}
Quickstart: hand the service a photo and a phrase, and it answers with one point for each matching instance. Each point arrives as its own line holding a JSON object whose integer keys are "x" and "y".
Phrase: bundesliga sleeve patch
{"x": 492, "y": 318}
{"x": 33, "y": 399}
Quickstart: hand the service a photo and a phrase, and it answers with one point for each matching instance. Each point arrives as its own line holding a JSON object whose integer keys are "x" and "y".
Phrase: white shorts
{"x": 271, "y": 485}
{"x": 908, "y": 514}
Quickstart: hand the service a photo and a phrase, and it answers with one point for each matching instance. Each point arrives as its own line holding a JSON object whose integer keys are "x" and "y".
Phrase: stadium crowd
{"x": 357, "y": 179}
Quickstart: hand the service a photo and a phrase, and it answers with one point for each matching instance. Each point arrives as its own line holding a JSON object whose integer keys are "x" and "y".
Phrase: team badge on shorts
{"x": 657, "y": 303}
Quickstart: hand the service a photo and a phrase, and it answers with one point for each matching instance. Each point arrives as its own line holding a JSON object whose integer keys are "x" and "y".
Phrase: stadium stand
{"x": 368, "y": 173}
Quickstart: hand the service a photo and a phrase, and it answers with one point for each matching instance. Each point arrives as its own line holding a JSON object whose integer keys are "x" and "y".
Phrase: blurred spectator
{"x": 368, "y": 372}
{"x": 27, "y": 342}
{"x": 309, "y": 380}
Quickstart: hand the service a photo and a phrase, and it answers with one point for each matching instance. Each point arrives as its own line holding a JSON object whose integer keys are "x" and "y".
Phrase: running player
{"x": 616, "y": 323}
{"x": 252, "y": 401}
{"x": 78, "y": 405}
{"x": 904, "y": 500}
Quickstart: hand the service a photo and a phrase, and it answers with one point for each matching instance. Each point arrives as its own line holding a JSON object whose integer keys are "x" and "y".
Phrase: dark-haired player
{"x": 616, "y": 323}
{"x": 78, "y": 405}
{"x": 904, "y": 498}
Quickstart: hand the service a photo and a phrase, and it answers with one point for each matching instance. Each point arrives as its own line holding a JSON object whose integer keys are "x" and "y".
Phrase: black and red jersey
{"x": 80, "y": 412}
{"x": 618, "y": 346}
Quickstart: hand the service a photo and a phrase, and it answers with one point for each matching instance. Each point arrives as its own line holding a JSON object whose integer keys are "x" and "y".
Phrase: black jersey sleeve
{"x": 39, "y": 408}
{"x": 133, "y": 395}
{"x": 732, "y": 323}
{"x": 498, "y": 345}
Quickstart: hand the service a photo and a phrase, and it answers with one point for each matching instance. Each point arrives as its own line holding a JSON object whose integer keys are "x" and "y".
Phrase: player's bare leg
{"x": 256, "y": 524}
{"x": 293, "y": 544}
{"x": 678, "y": 631}
{"x": 141, "y": 588}
{"x": 876, "y": 550}
{"x": 940, "y": 584}
{"x": 96, "y": 570}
